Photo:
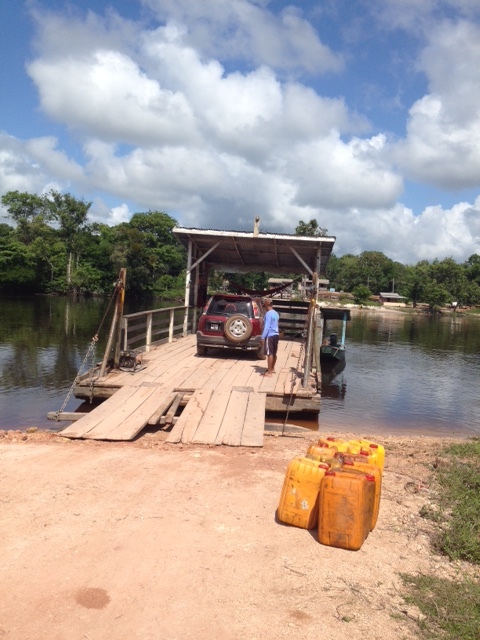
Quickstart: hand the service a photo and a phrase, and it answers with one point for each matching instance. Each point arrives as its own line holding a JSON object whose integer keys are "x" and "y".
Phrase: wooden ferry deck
{"x": 224, "y": 395}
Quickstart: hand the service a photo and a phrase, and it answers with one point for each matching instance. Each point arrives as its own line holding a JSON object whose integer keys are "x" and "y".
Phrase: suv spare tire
{"x": 238, "y": 328}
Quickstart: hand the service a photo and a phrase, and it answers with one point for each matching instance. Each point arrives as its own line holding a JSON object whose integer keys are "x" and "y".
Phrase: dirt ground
{"x": 149, "y": 541}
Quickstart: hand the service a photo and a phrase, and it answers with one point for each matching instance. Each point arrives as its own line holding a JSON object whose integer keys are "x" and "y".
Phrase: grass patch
{"x": 459, "y": 502}
{"x": 451, "y": 610}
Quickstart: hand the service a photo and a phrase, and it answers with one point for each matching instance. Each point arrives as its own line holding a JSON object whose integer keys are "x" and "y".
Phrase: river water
{"x": 404, "y": 373}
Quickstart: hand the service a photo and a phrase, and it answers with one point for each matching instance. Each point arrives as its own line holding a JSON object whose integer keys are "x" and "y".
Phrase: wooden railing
{"x": 142, "y": 330}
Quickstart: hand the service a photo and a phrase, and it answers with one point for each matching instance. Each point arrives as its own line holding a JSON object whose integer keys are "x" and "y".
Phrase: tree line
{"x": 54, "y": 248}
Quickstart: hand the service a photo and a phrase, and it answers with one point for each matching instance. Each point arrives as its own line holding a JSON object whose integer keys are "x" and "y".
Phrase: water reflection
{"x": 409, "y": 373}
{"x": 334, "y": 383}
{"x": 43, "y": 341}
{"x": 405, "y": 372}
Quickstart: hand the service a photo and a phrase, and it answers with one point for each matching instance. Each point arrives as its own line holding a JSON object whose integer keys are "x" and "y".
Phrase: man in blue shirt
{"x": 270, "y": 336}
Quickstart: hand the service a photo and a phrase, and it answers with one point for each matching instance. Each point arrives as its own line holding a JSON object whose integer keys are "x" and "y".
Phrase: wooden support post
{"x": 308, "y": 348}
{"x": 148, "y": 336}
{"x": 170, "y": 325}
{"x": 188, "y": 279}
{"x": 125, "y": 333}
{"x": 318, "y": 338}
{"x": 116, "y": 315}
{"x": 122, "y": 281}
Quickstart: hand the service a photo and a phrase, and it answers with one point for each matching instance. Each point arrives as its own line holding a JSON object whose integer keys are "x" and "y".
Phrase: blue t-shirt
{"x": 270, "y": 327}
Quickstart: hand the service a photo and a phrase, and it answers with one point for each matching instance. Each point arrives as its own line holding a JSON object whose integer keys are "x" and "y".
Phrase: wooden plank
{"x": 203, "y": 372}
{"x": 230, "y": 432}
{"x": 283, "y": 379}
{"x": 244, "y": 375}
{"x": 175, "y": 404}
{"x": 128, "y": 412}
{"x": 207, "y": 430}
{"x": 191, "y": 417}
{"x": 94, "y": 418}
{"x": 268, "y": 384}
{"x": 65, "y": 416}
{"x": 291, "y": 382}
{"x": 136, "y": 418}
{"x": 161, "y": 409}
{"x": 252, "y": 434}
{"x": 218, "y": 376}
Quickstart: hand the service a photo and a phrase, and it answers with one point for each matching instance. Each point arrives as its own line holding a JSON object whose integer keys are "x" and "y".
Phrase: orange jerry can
{"x": 359, "y": 462}
{"x": 375, "y": 450}
{"x": 359, "y": 453}
{"x": 323, "y": 454}
{"x": 345, "y": 508}
{"x": 299, "y": 498}
{"x": 336, "y": 443}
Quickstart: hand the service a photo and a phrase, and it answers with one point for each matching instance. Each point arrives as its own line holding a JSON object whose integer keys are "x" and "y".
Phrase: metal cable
{"x": 90, "y": 354}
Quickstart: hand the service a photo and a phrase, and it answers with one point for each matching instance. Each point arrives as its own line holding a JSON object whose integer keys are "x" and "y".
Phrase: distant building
{"x": 273, "y": 283}
{"x": 391, "y": 299}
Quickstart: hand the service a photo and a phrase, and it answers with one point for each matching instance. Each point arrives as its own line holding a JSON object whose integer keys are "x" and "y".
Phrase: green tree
{"x": 376, "y": 271}
{"x": 71, "y": 215}
{"x": 311, "y": 229}
{"x": 451, "y": 276}
{"x": 344, "y": 273}
{"x": 416, "y": 279}
{"x": 148, "y": 248}
{"x": 472, "y": 293}
{"x": 361, "y": 294}
{"x": 28, "y": 211}
{"x": 472, "y": 268}
{"x": 435, "y": 295}
{"x": 17, "y": 266}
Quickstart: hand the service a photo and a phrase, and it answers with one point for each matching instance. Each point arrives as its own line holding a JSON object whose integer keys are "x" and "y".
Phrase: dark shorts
{"x": 271, "y": 345}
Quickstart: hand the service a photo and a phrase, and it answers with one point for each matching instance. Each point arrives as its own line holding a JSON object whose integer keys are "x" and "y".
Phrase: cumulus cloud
{"x": 442, "y": 145}
{"x": 434, "y": 233}
{"x": 204, "y": 111}
{"x": 243, "y": 30}
{"x": 107, "y": 95}
{"x": 22, "y": 167}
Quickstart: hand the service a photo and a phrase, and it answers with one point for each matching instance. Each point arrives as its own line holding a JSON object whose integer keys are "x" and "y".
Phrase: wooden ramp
{"x": 121, "y": 417}
{"x": 232, "y": 417}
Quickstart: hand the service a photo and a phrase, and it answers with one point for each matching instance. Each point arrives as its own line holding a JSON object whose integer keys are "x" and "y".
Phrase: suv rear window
{"x": 220, "y": 307}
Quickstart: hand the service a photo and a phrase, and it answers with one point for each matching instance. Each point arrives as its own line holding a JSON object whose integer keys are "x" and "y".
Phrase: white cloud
{"x": 207, "y": 116}
{"x": 408, "y": 238}
{"x": 243, "y": 30}
{"x": 119, "y": 214}
{"x": 442, "y": 145}
{"x": 418, "y": 16}
{"x": 20, "y": 170}
{"x": 332, "y": 174}
{"x": 107, "y": 95}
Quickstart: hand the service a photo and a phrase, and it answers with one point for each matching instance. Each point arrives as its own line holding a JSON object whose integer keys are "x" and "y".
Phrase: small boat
{"x": 331, "y": 349}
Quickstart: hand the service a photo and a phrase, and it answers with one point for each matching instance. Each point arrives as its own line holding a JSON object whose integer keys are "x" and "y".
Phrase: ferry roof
{"x": 335, "y": 313}
{"x": 243, "y": 252}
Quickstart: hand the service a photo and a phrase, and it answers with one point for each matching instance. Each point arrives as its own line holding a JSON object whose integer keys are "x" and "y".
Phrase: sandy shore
{"x": 145, "y": 540}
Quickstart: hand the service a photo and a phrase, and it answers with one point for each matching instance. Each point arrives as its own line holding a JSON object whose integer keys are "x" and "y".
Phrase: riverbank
{"x": 144, "y": 540}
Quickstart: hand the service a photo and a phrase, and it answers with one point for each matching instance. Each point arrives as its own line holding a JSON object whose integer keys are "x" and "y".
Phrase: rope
{"x": 89, "y": 354}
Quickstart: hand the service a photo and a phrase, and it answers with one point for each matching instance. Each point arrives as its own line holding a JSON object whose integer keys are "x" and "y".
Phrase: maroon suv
{"x": 230, "y": 322}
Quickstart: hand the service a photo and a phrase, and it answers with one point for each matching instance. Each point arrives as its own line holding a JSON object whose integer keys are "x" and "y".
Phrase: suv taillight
{"x": 256, "y": 310}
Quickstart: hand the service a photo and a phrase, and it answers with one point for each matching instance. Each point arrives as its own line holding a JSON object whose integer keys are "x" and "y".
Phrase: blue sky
{"x": 363, "y": 114}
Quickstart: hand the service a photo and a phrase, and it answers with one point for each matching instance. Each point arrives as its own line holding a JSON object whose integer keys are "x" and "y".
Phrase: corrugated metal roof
{"x": 391, "y": 295}
{"x": 239, "y": 251}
